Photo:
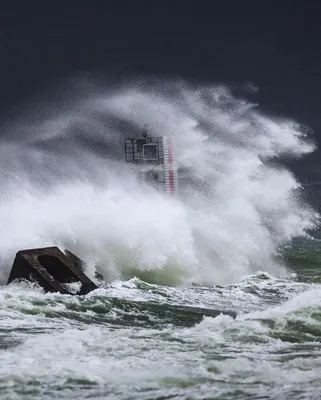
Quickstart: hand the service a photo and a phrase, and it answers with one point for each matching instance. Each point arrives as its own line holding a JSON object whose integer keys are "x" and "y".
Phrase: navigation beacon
{"x": 155, "y": 158}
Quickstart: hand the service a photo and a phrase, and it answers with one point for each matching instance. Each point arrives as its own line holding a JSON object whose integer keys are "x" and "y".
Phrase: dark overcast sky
{"x": 274, "y": 44}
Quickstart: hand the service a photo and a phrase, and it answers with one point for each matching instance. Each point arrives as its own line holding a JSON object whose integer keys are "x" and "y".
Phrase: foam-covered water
{"x": 158, "y": 327}
{"x": 65, "y": 183}
{"x": 136, "y": 340}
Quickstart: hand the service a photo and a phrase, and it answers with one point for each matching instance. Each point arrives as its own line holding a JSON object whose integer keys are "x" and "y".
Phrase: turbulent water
{"x": 212, "y": 294}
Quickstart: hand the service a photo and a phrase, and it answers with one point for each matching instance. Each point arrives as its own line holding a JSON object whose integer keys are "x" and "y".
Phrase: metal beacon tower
{"x": 155, "y": 158}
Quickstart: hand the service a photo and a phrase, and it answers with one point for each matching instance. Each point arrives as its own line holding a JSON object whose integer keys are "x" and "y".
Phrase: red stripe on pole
{"x": 171, "y": 181}
{"x": 170, "y": 162}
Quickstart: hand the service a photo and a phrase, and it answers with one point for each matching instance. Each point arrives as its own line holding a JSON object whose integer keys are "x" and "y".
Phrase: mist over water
{"x": 65, "y": 183}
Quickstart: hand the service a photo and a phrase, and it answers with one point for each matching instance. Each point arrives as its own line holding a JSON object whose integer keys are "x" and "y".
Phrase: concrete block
{"x": 51, "y": 269}
{"x": 78, "y": 262}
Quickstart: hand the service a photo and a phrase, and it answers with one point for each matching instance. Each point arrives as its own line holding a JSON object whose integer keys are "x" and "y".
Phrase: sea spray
{"x": 65, "y": 183}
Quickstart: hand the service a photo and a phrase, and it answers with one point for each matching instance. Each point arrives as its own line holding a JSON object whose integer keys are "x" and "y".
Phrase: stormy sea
{"x": 210, "y": 294}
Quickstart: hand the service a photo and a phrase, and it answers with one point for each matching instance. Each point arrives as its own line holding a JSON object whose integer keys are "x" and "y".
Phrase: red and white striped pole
{"x": 171, "y": 183}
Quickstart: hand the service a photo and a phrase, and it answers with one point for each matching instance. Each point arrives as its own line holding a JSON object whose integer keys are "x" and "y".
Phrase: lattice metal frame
{"x": 134, "y": 150}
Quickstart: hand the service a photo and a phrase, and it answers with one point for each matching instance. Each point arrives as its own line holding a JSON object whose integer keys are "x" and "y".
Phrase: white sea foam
{"x": 65, "y": 183}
